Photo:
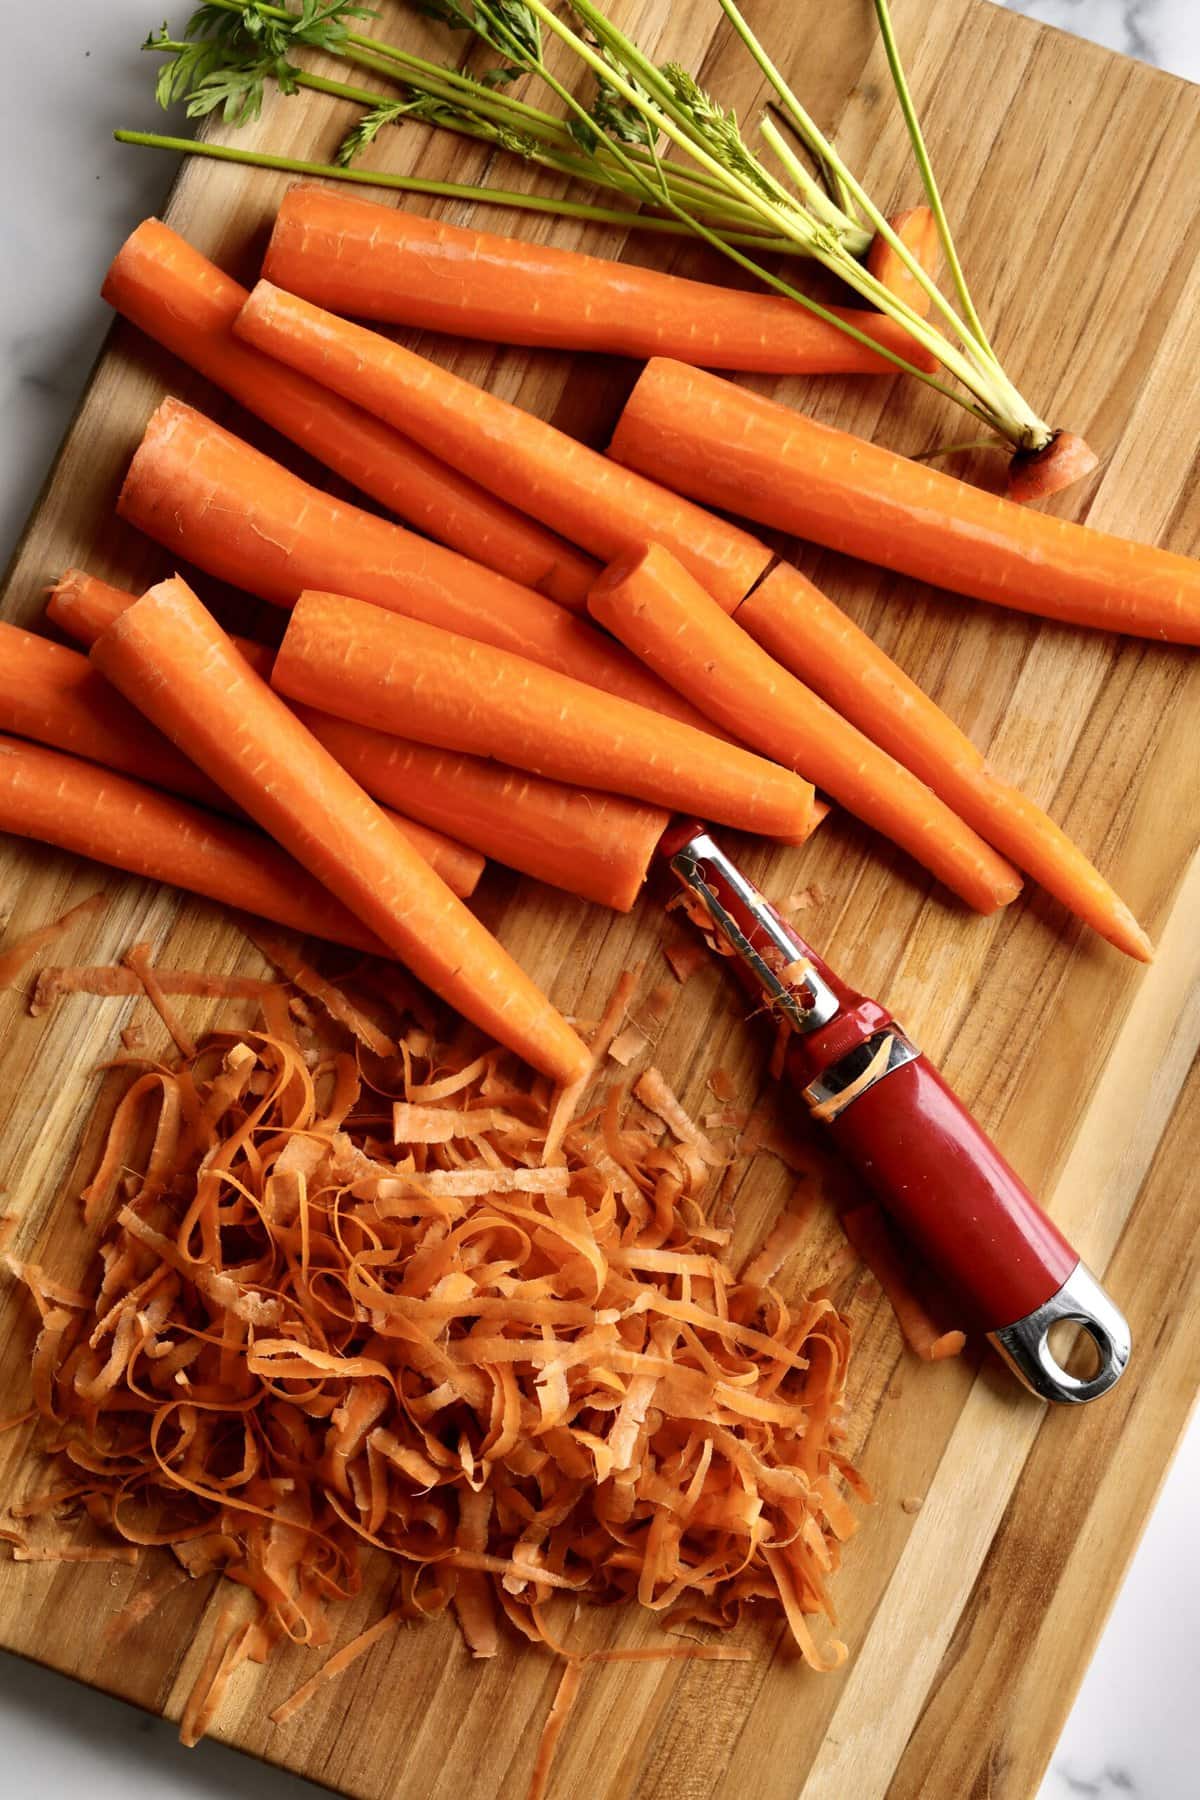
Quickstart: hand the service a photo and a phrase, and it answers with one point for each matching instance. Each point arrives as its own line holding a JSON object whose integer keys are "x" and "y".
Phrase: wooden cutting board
{"x": 1071, "y": 174}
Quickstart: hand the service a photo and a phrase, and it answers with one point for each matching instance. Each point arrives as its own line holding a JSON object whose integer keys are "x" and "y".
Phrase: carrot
{"x": 169, "y": 655}
{"x": 728, "y": 447}
{"x": 379, "y": 669}
{"x": 184, "y": 302}
{"x": 666, "y": 618}
{"x": 917, "y": 230}
{"x": 212, "y": 500}
{"x": 813, "y": 638}
{"x": 369, "y": 261}
{"x": 596, "y": 845}
{"x": 82, "y": 606}
{"x": 567, "y": 486}
{"x": 55, "y": 696}
{"x": 77, "y": 806}
{"x": 1036, "y": 474}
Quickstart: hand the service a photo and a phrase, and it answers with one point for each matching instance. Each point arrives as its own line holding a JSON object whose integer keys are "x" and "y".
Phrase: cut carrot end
{"x": 917, "y": 230}
{"x": 1036, "y": 474}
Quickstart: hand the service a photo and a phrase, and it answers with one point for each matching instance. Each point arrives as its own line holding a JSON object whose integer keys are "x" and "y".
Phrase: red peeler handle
{"x": 913, "y": 1142}
{"x": 947, "y": 1186}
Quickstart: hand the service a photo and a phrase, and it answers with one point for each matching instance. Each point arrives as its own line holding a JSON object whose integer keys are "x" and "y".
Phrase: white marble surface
{"x": 68, "y": 196}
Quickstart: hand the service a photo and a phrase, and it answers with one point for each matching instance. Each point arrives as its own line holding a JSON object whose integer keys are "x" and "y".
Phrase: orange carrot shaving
{"x": 560, "y": 1712}
{"x": 205, "y": 1696}
{"x": 804, "y": 898}
{"x": 113, "y": 982}
{"x": 15, "y": 958}
{"x": 722, "y": 1085}
{"x": 685, "y": 959}
{"x": 786, "y": 1235}
{"x": 521, "y": 1378}
{"x": 654, "y": 1093}
{"x": 138, "y": 959}
{"x": 287, "y": 958}
{"x": 75, "y": 1553}
{"x": 342, "y": 1659}
{"x": 568, "y": 1691}
{"x": 627, "y": 1045}
{"x": 828, "y": 1110}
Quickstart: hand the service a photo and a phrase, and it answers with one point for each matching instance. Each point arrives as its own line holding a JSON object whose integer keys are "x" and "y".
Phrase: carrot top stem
{"x": 418, "y": 184}
{"x": 929, "y": 180}
{"x": 651, "y": 134}
{"x": 669, "y": 101}
{"x": 219, "y": 67}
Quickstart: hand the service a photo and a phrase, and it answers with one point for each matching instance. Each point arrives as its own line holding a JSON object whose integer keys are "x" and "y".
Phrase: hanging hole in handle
{"x": 1087, "y": 1343}
{"x": 1075, "y": 1348}
{"x": 1072, "y": 1348}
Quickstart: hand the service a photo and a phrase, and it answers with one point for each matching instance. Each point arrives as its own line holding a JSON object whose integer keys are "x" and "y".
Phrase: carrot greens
{"x": 651, "y": 134}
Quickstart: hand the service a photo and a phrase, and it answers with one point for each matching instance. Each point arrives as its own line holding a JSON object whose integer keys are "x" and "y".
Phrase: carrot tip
{"x": 1036, "y": 474}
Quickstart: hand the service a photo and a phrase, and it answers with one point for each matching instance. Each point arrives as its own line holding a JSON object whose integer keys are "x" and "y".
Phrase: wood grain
{"x": 971, "y": 1620}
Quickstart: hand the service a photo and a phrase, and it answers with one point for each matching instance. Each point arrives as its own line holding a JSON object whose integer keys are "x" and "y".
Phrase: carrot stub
{"x": 211, "y": 500}
{"x": 728, "y": 447}
{"x": 368, "y": 261}
{"x": 666, "y": 618}
{"x": 812, "y": 637}
{"x": 1037, "y": 474}
{"x": 357, "y": 661}
{"x": 92, "y": 812}
{"x": 184, "y": 302}
{"x": 599, "y": 846}
{"x": 569, "y": 487}
{"x": 169, "y": 656}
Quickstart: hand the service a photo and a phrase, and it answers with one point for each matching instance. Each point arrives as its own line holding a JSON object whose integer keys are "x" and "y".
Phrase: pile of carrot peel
{"x": 423, "y": 1302}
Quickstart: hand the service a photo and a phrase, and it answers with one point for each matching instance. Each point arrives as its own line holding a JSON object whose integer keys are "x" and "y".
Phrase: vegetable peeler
{"x": 896, "y": 1122}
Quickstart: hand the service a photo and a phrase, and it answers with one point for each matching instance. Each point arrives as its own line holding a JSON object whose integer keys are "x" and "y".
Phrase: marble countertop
{"x": 69, "y": 197}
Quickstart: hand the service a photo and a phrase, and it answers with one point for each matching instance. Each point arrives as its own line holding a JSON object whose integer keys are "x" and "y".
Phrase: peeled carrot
{"x": 599, "y": 846}
{"x": 380, "y": 669}
{"x": 170, "y": 657}
{"x": 75, "y": 805}
{"x": 82, "y": 606}
{"x": 917, "y": 231}
{"x": 728, "y": 447}
{"x": 184, "y": 302}
{"x": 813, "y": 638}
{"x": 369, "y": 261}
{"x": 55, "y": 696}
{"x": 572, "y": 489}
{"x": 213, "y": 501}
{"x": 666, "y": 618}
